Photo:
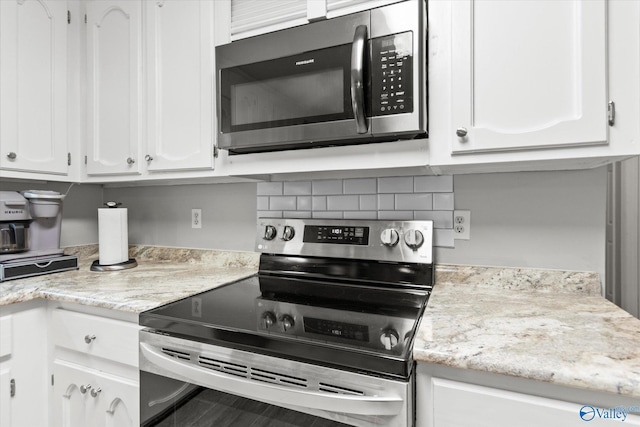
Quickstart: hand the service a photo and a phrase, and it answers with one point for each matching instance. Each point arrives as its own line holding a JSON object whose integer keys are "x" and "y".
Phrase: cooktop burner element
{"x": 341, "y": 293}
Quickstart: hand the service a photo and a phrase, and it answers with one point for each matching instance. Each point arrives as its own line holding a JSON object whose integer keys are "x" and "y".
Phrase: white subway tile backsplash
{"x": 419, "y": 201}
{"x": 361, "y": 215}
{"x": 262, "y": 203}
{"x": 343, "y": 203}
{"x": 395, "y": 215}
{"x": 296, "y": 214}
{"x": 443, "y": 201}
{"x": 282, "y": 203}
{"x": 369, "y": 202}
{"x": 388, "y": 198}
{"x": 304, "y": 203}
{"x": 270, "y": 189}
{"x": 297, "y": 188}
{"x": 327, "y": 215}
{"x": 441, "y": 219}
{"x": 400, "y": 184}
{"x": 360, "y": 186}
{"x": 326, "y": 187}
{"x": 319, "y": 203}
{"x": 386, "y": 202}
{"x": 433, "y": 184}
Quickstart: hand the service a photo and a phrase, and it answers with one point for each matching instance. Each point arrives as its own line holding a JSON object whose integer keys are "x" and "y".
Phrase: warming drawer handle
{"x": 357, "y": 77}
{"x": 356, "y": 405}
{"x": 43, "y": 265}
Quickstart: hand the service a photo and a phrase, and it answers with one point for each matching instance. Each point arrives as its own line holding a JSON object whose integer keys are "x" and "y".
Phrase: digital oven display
{"x": 332, "y": 328}
{"x": 336, "y": 234}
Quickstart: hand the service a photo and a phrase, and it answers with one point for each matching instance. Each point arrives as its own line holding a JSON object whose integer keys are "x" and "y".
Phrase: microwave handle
{"x": 357, "y": 77}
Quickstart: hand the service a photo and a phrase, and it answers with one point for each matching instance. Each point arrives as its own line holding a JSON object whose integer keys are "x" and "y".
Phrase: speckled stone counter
{"x": 550, "y": 326}
{"x": 162, "y": 275}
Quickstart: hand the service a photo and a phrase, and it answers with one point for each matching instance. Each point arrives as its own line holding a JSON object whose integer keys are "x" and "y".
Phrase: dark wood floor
{"x": 211, "y": 408}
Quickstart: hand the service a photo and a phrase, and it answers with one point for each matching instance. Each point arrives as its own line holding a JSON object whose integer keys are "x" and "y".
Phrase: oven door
{"x": 187, "y": 383}
{"x": 294, "y": 86}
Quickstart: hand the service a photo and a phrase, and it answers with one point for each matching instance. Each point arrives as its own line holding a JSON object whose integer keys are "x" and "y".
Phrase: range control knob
{"x": 287, "y": 233}
{"x": 268, "y": 319}
{"x": 287, "y": 322}
{"x": 414, "y": 239}
{"x": 389, "y": 338}
{"x": 269, "y": 232}
{"x": 389, "y": 237}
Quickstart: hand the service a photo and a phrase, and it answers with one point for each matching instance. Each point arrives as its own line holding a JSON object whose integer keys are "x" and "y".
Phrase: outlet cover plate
{"x": 462, "y": 225}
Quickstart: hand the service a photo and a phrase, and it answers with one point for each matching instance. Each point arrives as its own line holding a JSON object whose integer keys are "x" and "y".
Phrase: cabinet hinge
{"x": 611, "y": 112}
{"x": 68, "y": 159}
{"x": 52, "y": 380}
{"x": 215, "y": 152}
{"x": 85, "y": 160}
{"x": 12, "y": 387}
{"x": 68, "y": 17}
{"x": 85, "y": 18}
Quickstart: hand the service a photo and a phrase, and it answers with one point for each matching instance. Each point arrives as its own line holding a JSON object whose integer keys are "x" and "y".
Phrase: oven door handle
{"x": 278, "y": 395}
{"x": 357, "y": 77}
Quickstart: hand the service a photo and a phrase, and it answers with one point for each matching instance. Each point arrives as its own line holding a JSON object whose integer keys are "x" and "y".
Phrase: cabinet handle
{"x": 12, "y": 156}
{"x": 89, "y": 338}
{"x": 148, "y": 158}
{"x": 461, "y": 132}
{"x": 130, "y": 161}
{"x": 95, "y": 392}
{"x": 85, "y": 388}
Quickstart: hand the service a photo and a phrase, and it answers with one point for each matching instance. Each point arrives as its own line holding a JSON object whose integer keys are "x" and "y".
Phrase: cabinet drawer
{"x": 98, "y": 336}
{"x": 5, "y": 336}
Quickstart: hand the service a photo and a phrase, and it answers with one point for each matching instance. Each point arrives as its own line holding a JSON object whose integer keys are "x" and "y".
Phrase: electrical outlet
{"x": 196, "y": 218}
{"x": 462, "y": 225}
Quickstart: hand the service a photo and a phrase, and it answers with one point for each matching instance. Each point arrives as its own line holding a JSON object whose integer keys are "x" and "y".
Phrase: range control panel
{"x": 406, "y": 241}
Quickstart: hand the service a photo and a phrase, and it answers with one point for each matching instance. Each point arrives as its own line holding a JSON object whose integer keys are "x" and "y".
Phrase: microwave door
{"x": 296, "y": 97}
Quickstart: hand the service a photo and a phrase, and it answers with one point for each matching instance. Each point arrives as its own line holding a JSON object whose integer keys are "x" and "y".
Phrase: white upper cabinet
{"x": 527, "y": 74}
{"x": 180, "y": 99}
{"x": 252, "y": 17}
{"x": 33, "y": 86}
{"x": 114, "y": 104}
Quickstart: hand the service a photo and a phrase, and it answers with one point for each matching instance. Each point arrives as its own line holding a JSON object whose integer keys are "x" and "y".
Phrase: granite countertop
{"x": 163, "y": 275}
{"x": 549, "y": 326}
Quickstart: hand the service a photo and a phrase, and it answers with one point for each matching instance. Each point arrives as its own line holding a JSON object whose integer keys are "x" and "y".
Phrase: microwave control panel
{"x": 391, "y": 74}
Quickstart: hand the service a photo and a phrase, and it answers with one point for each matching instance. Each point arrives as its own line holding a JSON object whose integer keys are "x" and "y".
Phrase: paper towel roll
{"x": 113, "y": 236}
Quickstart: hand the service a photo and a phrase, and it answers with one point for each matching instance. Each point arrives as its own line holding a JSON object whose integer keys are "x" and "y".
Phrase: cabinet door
{"x": 528, "y": 74}
{"x": 114, "y": 89}
{"x": 70, "y": 396}
{"x": 33, "y": 86}
{"x": 179, "y": 37}
{"x": 5, "y": 394}
{"x": 84, "y": 396}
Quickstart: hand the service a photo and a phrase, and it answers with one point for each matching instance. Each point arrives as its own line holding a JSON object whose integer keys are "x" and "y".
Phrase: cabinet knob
{"x": 148, "y": 158}
{"x": 89, "y": 338}
{"x": 130, "y": 161}
{"x": 95, "y": 392}
{"x": 12, "y": 156}
{"x": 85, "y": 388}
{"x": 461, "y": 132}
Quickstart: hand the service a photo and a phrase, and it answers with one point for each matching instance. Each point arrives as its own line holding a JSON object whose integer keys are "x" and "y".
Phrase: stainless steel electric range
{"x": 322, "y": 335}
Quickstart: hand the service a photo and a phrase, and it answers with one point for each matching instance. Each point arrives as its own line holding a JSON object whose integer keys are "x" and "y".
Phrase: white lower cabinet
{"x": 94, "y": 371}
{"x": 449, "y": 403}
{"x": 23, "y": 365}
{"x": 87, "y": 397}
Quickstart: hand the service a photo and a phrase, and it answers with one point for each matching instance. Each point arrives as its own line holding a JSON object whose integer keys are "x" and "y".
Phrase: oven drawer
{"x": 96, "y": 336}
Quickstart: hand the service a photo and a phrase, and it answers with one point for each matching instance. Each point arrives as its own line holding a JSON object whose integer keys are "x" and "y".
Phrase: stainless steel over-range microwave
{"x": 351, "y": 79}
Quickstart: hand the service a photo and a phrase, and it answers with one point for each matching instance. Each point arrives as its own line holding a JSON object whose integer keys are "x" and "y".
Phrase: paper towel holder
{"x": 130, "y": 263}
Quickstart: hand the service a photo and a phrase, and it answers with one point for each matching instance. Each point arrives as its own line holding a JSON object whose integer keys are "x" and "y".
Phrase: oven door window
{"x": 167, "y": 402}
{"x": 312, "y": 87}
